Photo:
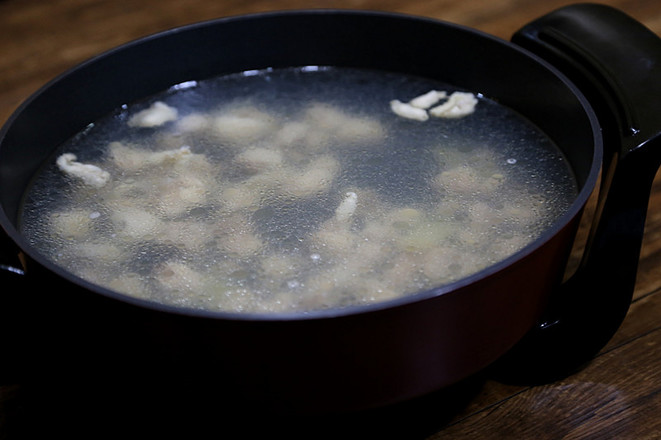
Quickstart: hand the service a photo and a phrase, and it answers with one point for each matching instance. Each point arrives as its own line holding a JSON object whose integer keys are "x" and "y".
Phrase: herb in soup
{"x": 296, "y": 189}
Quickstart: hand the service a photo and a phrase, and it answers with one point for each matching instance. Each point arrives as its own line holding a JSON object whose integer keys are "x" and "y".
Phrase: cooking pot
{"x": 587, "y": 75}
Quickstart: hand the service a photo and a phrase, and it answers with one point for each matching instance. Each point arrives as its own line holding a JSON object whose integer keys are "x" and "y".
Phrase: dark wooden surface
{"x": 618, "y": 395}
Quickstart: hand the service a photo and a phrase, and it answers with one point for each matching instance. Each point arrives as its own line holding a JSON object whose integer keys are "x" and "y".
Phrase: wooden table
{"x": 618, "y": 395}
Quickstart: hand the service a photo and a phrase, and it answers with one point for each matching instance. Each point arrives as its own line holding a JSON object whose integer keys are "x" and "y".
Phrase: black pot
{"x": 517, "y": 312}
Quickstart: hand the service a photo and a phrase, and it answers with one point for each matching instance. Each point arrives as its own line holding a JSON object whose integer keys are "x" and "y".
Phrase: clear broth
{"x": 296, "y": 189}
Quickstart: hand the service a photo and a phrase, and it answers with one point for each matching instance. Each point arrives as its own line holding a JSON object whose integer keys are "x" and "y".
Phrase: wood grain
{"x": 618, "y": 395}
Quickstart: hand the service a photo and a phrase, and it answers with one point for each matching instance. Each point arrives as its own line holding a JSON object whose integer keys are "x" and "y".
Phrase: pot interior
{"x": 413, "y": 46}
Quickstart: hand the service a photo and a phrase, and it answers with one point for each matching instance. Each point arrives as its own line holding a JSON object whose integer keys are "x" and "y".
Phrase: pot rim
{"x": 574, "y": 210}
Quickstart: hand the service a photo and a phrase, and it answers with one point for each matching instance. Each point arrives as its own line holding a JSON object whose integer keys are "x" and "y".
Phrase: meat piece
{"x": 467, "y": 180}
{"x": 408, "y": 111}
{"x": 157, "y": 114}
{"x": 313, "y": 179}
{"x": 258, "y": 159}
{"x": 193, "y": 122}
{"x": 328, "y": 121}
{"x": 428, "y": 99}
{"x": 134, "y": 223}
{"x": 242, "y": 124}
{"x": 176, "y": 195}
{"x": 89, "y": 174}
{"x": 72, "y": 224}
{"x": 133, "y": 159}
{"x": 178, "y": 277}
{"x": 459, "y": 104}
{"x": 347, "y": 207}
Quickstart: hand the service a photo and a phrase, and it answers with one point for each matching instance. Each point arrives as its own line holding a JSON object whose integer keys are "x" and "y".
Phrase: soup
{"x": 296, "y": 189}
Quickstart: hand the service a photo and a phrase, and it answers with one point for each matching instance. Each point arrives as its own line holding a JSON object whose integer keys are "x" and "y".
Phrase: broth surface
{"x": 293, "y": 190}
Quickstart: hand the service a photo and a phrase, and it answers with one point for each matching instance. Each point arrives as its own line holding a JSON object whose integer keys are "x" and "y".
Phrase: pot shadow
{"x": 81, "y": 411}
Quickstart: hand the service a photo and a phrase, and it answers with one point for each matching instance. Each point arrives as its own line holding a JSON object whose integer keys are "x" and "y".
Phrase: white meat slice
{"x": 134, "y": 223}
{"x": 408, "y": 111}
{"x": 133, "y": 159}
{"x": 243, "y": 123}
{"x": 428, "y": 99}
{"x": 157, "y": 114}
{"x": 258, "y": 159}
{"x": 89, "y": 174}
{"x": 459, "y": 104}
{"x": 347, "y": 207}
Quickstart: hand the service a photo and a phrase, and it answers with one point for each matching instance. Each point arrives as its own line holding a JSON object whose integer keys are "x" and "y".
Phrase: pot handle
{"x": 616, "y": 62}
{"x": 13, "y": 303}
{"x": 11, "y": 266}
